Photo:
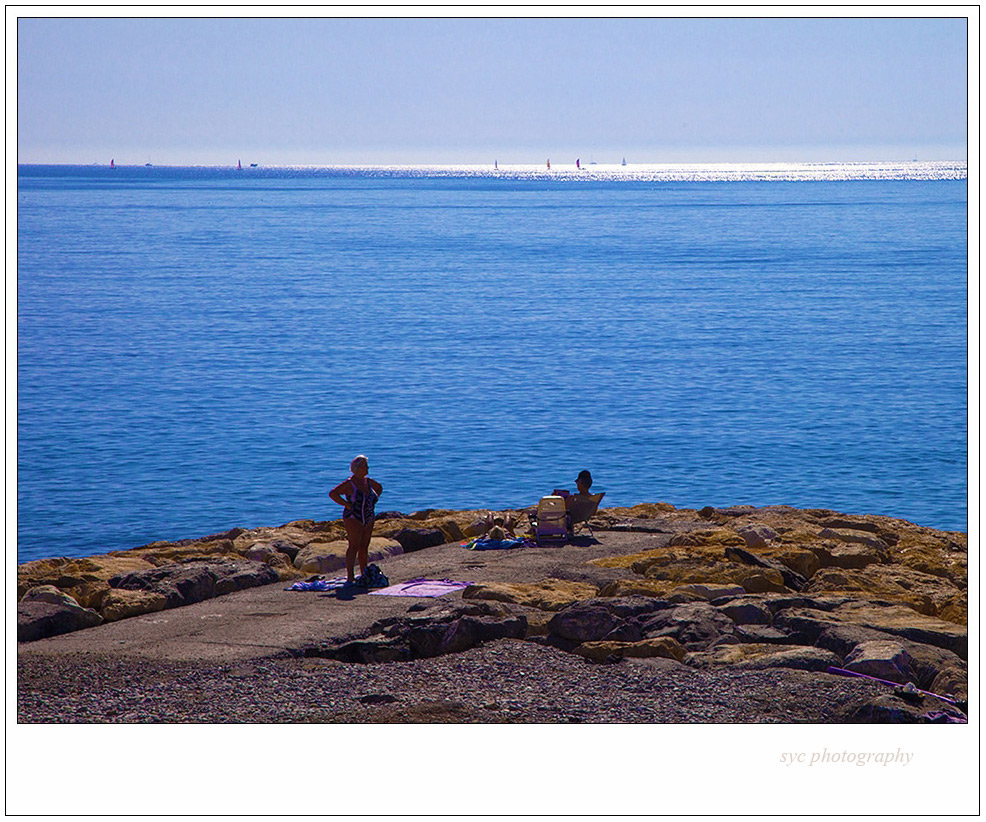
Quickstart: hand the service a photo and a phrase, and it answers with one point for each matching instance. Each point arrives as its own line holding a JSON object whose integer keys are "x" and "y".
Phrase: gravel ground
{"x": 500, "y": 682}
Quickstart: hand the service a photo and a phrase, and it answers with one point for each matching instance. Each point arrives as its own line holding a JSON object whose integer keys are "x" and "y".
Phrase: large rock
{"x": 606, "y": 651}
{"x": 789, "y": 578}
{"x": 808, "y": 624}
{"x": 38, "y": 618}
{"x": 546, "y": 594}
{"x": 805, "y": 563}
{"x": 50, "y": 594}
{"x": 882, "y": 659}
{"x": 695, "y": 626}
{"x": 329, "y": 557}
{"x": 122, "y": 604}
{"x": 416, "y": 539}
{"x": 764, "y": 581}
{"x": 854, "y": 537}
{"x": 889, "y": 709}
{"x": 765, "y": 656}
{"x": 66, "y": 574}
{"x": 438, "y": 629}
{"x": 757, "y": 536}
{"x": 847, "y": 556}
{"x": 710, "y": 592}
{"x": 746, "y": 611}
{"x": 583, "y": 622}
{"x": 190, "y": 582}
{"x": 924, "y": 664}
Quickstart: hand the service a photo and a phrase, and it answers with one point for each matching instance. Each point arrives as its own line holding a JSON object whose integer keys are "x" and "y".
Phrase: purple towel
{"x": 422, "y": 588}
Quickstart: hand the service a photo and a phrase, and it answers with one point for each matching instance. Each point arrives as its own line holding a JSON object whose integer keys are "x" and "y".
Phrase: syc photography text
{"x": 845, "y": 757}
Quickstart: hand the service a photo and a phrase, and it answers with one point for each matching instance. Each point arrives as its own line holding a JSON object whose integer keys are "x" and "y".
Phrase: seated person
{"x": 583, "y": 482}
{"x": 498, "y": 526}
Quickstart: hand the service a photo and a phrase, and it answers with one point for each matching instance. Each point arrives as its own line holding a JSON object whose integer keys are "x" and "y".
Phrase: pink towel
{"x": 422, "y": 588}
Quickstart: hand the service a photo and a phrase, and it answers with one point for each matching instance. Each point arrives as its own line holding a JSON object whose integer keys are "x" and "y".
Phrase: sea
{"x": 202, "y": 348}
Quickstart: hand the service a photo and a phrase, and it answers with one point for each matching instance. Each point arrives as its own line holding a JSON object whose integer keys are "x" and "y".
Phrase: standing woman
{"x": 357, "y": 496}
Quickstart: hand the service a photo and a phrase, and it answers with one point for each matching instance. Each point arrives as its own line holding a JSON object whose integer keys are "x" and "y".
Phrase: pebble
{"x": 532, "y": 683}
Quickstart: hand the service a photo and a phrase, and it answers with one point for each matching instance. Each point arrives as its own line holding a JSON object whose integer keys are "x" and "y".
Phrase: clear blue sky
{"x": 324, "y": 91}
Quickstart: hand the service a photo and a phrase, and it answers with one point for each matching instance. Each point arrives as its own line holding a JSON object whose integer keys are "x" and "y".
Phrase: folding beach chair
{"x": 582, "y": 508}
{"x": 550, "y": 521}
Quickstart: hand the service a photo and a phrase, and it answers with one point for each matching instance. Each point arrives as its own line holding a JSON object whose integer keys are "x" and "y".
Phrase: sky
{"x": 457, "y": 90}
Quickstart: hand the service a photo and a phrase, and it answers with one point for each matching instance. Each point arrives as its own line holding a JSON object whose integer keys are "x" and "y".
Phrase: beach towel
{"x": 422, "y": 588}
{"x": 318, "y": 585}
{"x": 487, "y": 544}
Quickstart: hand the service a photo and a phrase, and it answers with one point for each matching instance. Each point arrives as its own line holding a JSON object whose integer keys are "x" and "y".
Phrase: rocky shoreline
{"x": 751, "y": 611}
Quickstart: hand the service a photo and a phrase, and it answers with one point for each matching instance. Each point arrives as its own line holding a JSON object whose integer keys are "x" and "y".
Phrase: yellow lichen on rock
{"x": 664, "y": 646}
{"x": 547, "y": 594}
{"x": 120, "y": 604}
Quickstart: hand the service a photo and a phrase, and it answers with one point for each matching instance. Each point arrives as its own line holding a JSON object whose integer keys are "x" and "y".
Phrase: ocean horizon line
{"x": 650, "y": 171}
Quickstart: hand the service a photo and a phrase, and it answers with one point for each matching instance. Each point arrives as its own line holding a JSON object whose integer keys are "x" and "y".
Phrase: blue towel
{"x": 318, "y": 585}
{"x": 487, "y": 544}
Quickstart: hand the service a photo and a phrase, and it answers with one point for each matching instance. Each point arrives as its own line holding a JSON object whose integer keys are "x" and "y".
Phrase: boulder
{"x": 637, "y": 587}
{"x": 763, "y": 582}
{"x": 951, "y": 680}
{"x": 583, "y": 622}
{"x": 89, "y": 594}
{"x": 884, "y": 583}
{"x": 889, "y": 709}
{"x": 329, "y": 557}
{"x": 760, "y": 634}
{"x": 710, "y": 592}
{"x": 854, "y": 537}
{"x": 376, "y": 649}
{"x": 955, "y": 609}
{"x": 50, "y": 594}
{"x": 858, "y": 525}
{"x": 882, "y": 659}
{"x": 120, "y": 603}
{"x": 547, "y": 594}
{"x": 807, "y": 624}
{"x": 416, "y": 539}
{"x": 765, "y": 656}
{"x": 804, "y": 563}
{"x": 695, "y": 626}
{"x": 746, "y": 612}
{"x": 757, "y": 536}
{"x": 433, "y": 631}
{"x": 195, "y": 581}
{"x": 632, "y": 606}
{"x": 789, "y": 578}
{"x": 65, "y": 573}
{"x": 39, "y": 618}
{"x": 180, "y": 584}
{"x": 605, "y": 651}
{"x": 847, "y": 556}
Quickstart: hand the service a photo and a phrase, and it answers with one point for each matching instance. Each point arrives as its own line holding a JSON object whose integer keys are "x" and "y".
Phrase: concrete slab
{"x": 270, "y": 621}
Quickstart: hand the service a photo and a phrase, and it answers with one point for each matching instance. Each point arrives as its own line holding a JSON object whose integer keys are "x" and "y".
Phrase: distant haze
{"x": 349, "y": 91}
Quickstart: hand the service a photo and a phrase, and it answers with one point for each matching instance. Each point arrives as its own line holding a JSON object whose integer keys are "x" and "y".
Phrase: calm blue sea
{"x": 200, "y": 349}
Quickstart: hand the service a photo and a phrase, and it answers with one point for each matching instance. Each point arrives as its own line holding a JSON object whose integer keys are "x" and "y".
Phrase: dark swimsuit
{"x": 361, "y": 504}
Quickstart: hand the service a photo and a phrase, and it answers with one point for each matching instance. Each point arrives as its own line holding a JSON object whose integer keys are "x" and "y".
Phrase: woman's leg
{"x": 354, "y": 533}
{"x": 364, "y": 545}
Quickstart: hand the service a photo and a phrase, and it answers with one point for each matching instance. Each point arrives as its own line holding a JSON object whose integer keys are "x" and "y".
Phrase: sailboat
{"x": 112, "y": 163}
{"x": 624, "y": 162}
{"x": 577, "y": 163}
{"x": 238, "y": 166}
